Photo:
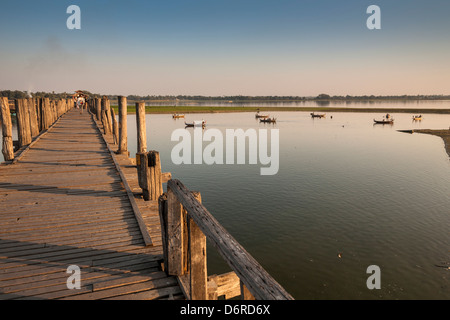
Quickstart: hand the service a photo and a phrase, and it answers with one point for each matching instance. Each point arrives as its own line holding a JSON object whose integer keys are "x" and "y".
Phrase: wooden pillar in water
{"x": 123, "y": 139}
{"x": 105, "y": 120}
{"x": 149, "y": 174}
{"x": 45, "y": 113}
{"x": 115, "y": 127}
{"x": 5, "y": 117}
{"x": 23, "y": 122}
{"x": 33, "y": 117}
{"x": 98, "y": 108}
{"x": 141, "y": 128}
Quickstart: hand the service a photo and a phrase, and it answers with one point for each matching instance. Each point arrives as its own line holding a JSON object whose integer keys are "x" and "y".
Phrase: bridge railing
{"x": 186, "y": 226}
{"x": 34, "y": 116}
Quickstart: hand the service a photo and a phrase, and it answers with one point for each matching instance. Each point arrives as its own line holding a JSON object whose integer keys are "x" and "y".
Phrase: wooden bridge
{"x": 72, "y": 200}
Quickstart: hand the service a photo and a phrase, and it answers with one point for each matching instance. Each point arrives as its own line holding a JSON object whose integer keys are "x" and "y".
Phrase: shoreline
{"x": 443, "y": 133}
{"x": 217, "y": 109}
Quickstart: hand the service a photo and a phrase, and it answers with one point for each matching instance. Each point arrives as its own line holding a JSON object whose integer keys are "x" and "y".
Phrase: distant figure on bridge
{"x": 80, "y": 100}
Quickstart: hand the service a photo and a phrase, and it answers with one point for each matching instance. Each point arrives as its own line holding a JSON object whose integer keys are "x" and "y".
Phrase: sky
{"x": 226, "y": 47}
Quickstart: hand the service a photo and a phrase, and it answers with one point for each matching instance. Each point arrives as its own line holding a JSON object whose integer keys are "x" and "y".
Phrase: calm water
{"x": 344, "y": 186}
{"x": 425, "y": 104}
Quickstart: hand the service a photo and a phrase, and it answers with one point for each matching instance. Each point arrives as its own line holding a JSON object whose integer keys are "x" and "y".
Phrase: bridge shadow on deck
{"x": 32, "y": 270}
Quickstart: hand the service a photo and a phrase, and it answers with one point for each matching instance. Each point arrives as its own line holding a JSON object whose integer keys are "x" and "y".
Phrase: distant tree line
{"x": 16, "y": 94}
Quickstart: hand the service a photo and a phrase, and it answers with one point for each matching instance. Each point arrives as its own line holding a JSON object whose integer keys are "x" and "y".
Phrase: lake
{"x": 348, "y": 194}
{"x": 344, "y": 187}
{"x": 395, "y": 104}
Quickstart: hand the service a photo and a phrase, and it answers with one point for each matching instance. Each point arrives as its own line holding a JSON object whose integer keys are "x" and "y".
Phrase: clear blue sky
{"x": 227, "y": 47}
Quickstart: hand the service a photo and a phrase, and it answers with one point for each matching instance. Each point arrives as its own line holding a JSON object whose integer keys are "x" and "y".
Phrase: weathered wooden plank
{"x": 67, "y": 203}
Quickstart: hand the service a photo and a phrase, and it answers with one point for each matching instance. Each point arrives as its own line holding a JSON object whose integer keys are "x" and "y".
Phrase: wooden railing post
{"x": 141, "y": 128}
{"x": 23, "y": 122}
{"x": 33, "y": 117}
{"x": 45, "y": 114}
{"x": 245, "y": 293}
{"x": 123, "y": 142}
{"x": 98, "y": 108}
{"x": 105, "y": 119}
{"x": 148, "y": 166}
{"x": 197, "y": 259}
{"x": 176, "y": 225}
{"x": 5, "y": 117}
{"x": 115, "y": 127}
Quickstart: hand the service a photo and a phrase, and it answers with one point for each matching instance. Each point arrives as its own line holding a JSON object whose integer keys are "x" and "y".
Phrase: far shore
{"x": 218, "y": 109}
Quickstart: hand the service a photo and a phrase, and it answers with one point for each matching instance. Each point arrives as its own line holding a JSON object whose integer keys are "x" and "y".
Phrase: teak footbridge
{"x": 79, "y": 219}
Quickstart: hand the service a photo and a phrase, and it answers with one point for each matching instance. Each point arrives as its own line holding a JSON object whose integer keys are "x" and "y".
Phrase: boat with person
{"x": 387, "y": 119}
{"x": 197, "y": 124}
{"x": 384, "y": 121}
{"x": 177, "y": 116}
{"x": 261, "y": 116}
{"x": 268, "y": 120}
{"x": 318, "y": 115}
{"x": 417, "y": 118}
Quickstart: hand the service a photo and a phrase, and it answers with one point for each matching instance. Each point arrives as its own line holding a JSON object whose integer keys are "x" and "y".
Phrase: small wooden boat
{"x": 196, "y": 124}
{"x": 261, "y": 116}
{"x": 268, "y": 120}
{"x": 417, "y": 118}
{"x": 317, "y": 115}
{"x": 177, "y": 116}
{"x": 384, "y": 121}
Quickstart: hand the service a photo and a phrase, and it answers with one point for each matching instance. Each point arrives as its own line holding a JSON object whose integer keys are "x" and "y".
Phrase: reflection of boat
{"x": 261, "y": 116}
{"x": 318, "y": 115}
{"x": 270, "y": 120}
{"x": 417, "y": 118}
{"x": 196, "y": 124}
{"x": 176, "y": 116}
{"x": 384, "y": 121}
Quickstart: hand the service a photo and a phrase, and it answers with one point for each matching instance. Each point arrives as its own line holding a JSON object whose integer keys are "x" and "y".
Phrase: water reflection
{"x": 344, "y": 186}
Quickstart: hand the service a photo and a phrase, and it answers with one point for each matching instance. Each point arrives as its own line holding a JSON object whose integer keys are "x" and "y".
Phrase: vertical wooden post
{"x": 33, "y": 117}
{"x": 245, "y": 293}
{"x": 175, "y": 230}
{"x": 162, "y": 206}
{"x": 154, "y": 162}
{"x": 5, "y": 117}
{"x": 141, "y": 128}
{"x": 148, "y": 166}
{"x": 45, "y": 114}
{"x": 105, "y": 120}
{"x": 98, "y": 108}
{"x": 115, "y": 127}
{"x": 143, "y": 172}
{"x": 23, "y": 122}
{"x": 123, "y": 139}
{"x": 197, "y": 259}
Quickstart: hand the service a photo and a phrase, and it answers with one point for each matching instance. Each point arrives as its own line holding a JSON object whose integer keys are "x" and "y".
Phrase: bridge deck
{"x": 64, "y": 203}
